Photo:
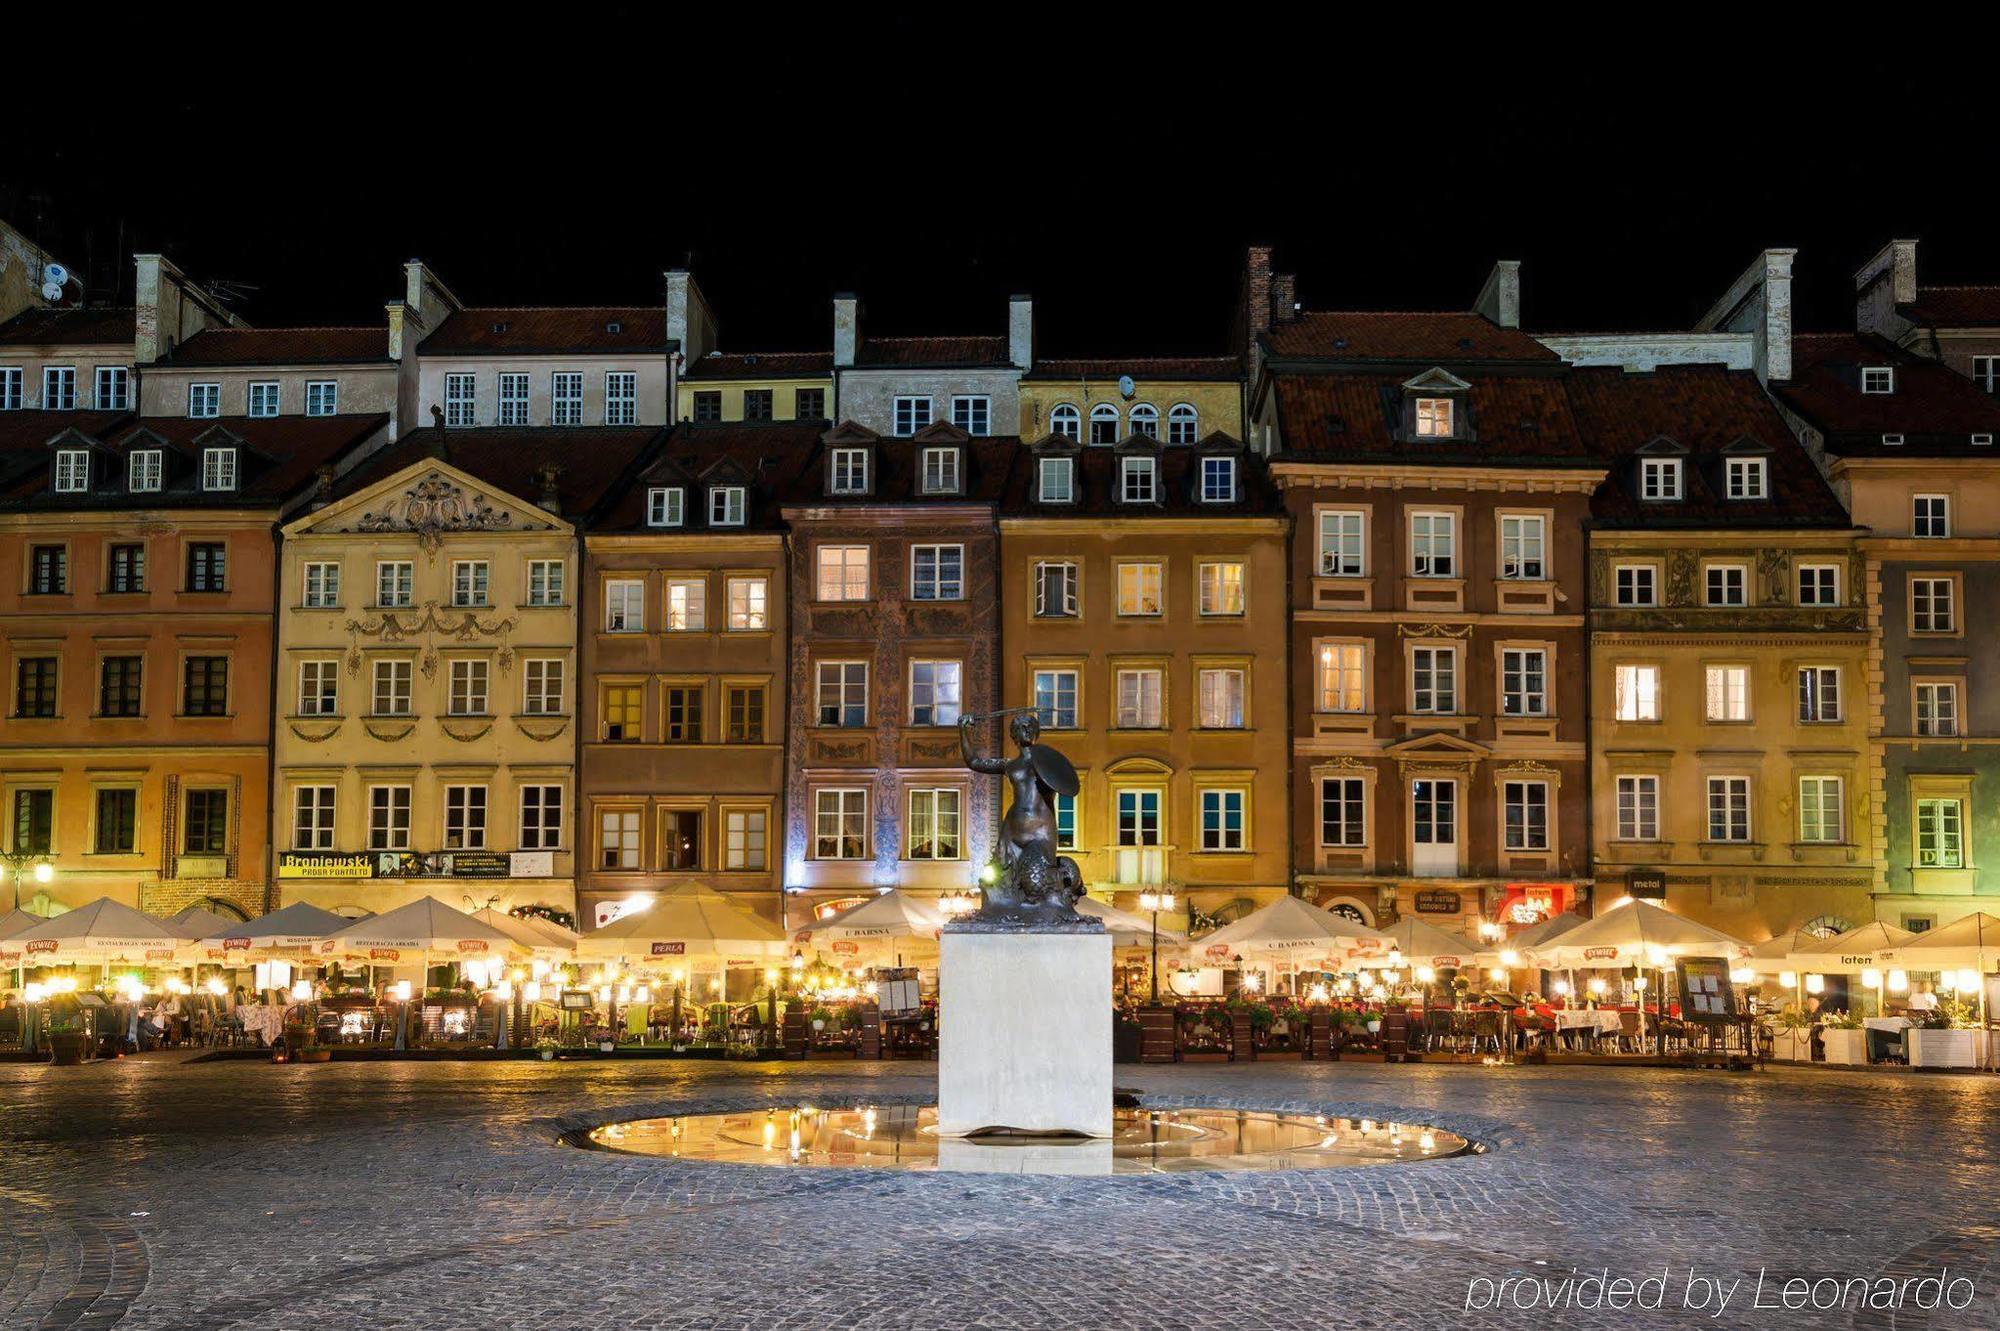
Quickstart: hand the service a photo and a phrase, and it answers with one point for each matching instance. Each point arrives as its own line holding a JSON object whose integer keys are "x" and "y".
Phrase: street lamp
{"x": 20, "y": 864}
{"x": 1156, "y": 901}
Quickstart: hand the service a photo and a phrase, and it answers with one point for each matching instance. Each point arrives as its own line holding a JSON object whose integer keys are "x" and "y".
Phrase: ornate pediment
{"x": 432, "y": 508}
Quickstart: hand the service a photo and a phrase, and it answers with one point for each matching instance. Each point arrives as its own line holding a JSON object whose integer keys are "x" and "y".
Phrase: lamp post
{"x": 1155, "y": 901}
{"x": 19, "y": 864}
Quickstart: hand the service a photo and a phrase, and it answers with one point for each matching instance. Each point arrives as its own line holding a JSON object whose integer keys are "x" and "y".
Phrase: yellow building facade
{"x": 1176, "y": 400}
{"x": 426, "y": 690}
{"x": 772, "y": 386}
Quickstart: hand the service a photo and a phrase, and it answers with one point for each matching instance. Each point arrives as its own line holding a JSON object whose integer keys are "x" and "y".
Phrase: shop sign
{"x": 1218, "y": 952}
{"x": 472, "y": 945}
{"x": 1646, "y": 885}
{"x": 159, "y": 954}
{"x": 670, "y": 949}
{"x": 443, "y": 864}
{"x": 803, "y": 936}
{"x": 1435, "y": 901}
{"x": 531, "y": 864}
{"x": 235, "y": 945}
{"x": 1600, "y": 954}
{"x": 41, "y": 945}
{"x": 384, "y": 953}
{"x": 1447, "y": 963}
{"x": 323, "y": 864}
{"x": 846, "y": 948}
{"x": 576, "y": 1000}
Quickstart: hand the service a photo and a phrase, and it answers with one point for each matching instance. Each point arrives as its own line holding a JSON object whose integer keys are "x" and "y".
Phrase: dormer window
{"x": 1893, "y": 440}
{"x": 72, "y": 471}
{"x": 1982, "y": 441}
{"x": 664, "y": 504}
{"x": 850, "y": 471}
{"x": 1218, "y": 480}
{"x": 1659, "y": 479}
{"x": 727, "y": 505}
{"x": 218, "y": 469}
{"x": 1747, "y": 478}
{"x": 142, "y": 470}
{"x": 1056, "y": 481}
{"x": 940, "y": 471}
{"x": 1065, "y": 421}
{"x": 1138, "y": 480}
{"x": 1878, "y": 379}
{"x": 1434, "y": 418}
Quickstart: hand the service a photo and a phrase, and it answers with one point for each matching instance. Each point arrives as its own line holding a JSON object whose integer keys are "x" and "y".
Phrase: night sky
{"x": 934, "y": 171}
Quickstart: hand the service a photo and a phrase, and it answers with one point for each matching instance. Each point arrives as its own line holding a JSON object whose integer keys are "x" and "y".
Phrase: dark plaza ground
{"x": 156, "y": 1192}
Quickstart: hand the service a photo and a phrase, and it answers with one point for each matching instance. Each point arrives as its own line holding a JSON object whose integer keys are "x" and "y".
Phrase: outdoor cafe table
{"x": 1601, "y": 1020}
{"x": 266, "y": 1021}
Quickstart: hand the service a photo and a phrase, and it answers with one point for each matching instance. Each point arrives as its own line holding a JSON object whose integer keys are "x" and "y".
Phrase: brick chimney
{"x": 846, "y": 328}
{"x": 1021, "y": 332}
{"x": 1284, "y": 296}
{"x": 1255, "y": 312}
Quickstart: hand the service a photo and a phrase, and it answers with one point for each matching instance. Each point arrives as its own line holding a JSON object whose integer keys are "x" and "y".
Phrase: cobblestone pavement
{"x": 157, "y": 1193}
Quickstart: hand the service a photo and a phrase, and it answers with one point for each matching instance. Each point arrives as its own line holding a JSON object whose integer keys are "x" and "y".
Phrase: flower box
{"x": 1849, "y": 1047}
{"x": 1944, "y": 1049}
{"x": 1792, "y": 1046}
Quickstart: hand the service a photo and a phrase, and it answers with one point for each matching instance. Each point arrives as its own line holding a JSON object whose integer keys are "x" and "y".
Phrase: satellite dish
{"x": 55, "y": 274}
{"x": 1126, "y": 388}
{"x": 52, "y": 292}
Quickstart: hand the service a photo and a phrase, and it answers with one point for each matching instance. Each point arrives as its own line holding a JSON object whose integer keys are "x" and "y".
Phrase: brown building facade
{"x": 684, "y": 665}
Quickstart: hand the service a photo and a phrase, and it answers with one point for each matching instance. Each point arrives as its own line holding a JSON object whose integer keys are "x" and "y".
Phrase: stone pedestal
{"x": 1024, "y": 1034}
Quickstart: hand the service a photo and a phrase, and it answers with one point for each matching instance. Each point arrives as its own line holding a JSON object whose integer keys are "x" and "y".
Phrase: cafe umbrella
{"x": 415, "y": 933}
{"x": 1289, "y": 927}
{"x": 1637, "y": 934}
{"x": 1859, "y": 949}
{"x": 685, "y": 923}
{"x": 1971, "y": 942}
{"x": 103, "y": 933}
{"x": 892, "y": 922}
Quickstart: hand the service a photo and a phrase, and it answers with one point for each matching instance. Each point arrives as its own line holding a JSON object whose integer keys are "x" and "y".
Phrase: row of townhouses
{"x": 1406, "y": 612}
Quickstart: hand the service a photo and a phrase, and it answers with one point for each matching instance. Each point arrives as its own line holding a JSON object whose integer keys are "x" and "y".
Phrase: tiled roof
{"x": 511, "y": 458}
{"x": 282, "y": 346}
{"x": 936, "y": 353}
{"x": 543, "y": 331}
{"x": 1435, "y": 337}
{"x": 280, "y": 458}
{"x": 1711, "y": 413}
{"x": 24, "y": 438}
{"x": 988, "y": 461}
{"x": 1935, "y": 409}
{"x": 764, "y": 456}
{"x": 1096, "y": 483}
{"x": 1955, "y": 307}
{"x": 1514, "y": 420}
{"x": 1141, "y": 368}
{"x": 761, "y": 365}
{"x": 87, "y": 327}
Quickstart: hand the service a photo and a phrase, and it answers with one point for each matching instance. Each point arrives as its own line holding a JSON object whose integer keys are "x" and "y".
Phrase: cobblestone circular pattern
{"x": 158, "y": 1193}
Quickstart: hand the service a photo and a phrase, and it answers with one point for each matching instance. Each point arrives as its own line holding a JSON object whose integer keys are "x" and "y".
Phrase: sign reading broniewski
{"x": 323, "y": 864}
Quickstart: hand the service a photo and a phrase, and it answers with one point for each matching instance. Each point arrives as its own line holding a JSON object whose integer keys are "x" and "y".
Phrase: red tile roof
{"x": 283, "y": 346}
{"x": 546, "y": 331}
{"x": 1514, "y": 420}
{"x": 933, "y": 352}
{"x": 1142, "y": 368}
{"x": 1435, "y": 337}
{"x": 1955, "y": 307}
{"x": 764, "y": 456}
{"x": 510, "y": 458}
{"x": 281, "y": 457}
{"x": 99, "y": 327}
{"x": 1711, "y": 412}
{"x": 1934, "y": 408}
{"x": 761, "y": 365}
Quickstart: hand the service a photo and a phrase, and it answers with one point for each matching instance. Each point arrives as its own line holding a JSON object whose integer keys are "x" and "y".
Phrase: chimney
{"x": 551, "y": 498}
{"x": 1284, "y": 296}
{"x": 150, "y": 340}
{"x": 1255, "y": 313}
{"x": 690, "y": 322}
{"x": 1883, "y": 283}
{"x": 846, "y": 329}
{"x": 1759, "y": 302}
{"x": 1021, "y": 332}
{"x": 1500, "y": 299}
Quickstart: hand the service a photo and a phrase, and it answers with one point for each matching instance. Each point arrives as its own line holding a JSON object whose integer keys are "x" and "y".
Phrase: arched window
{"x": 1146, "y": 420}
{"x": 1181, "y": 424}
{"x": 1825, "y": 926}
{"x": 1065, "y": 421}
{"x": 1104, "y": 424}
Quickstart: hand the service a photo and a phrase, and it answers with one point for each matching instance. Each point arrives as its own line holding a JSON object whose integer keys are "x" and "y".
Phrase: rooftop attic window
{"x": 1434, "y": 418}
{"x": 1982, "y": 440}
{"x": 614, "y": 327}
{"x": 1878, "y": 379}
{"x": 1893, "y": 440}
{"x": 500, "y": 326}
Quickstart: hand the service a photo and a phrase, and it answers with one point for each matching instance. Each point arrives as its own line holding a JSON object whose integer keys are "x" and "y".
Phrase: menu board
{"x": 1706, "y": 993}
{"x": 897, "y": 992}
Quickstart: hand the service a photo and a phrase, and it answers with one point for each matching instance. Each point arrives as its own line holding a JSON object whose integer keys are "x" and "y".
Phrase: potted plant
{"x": 1845, "y": 1041}
{"x": 67, "y": 1042}
{"x": 547, "y": 1047}
{"x": 311, "y": 1052}
{"x": 1946, "y": 1037}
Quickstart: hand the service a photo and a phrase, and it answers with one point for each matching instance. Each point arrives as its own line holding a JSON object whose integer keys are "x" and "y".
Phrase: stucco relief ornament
{"x": 1680, "y": 578}
{"x": 433, "y": 508}
{"x": 389, "y": 629}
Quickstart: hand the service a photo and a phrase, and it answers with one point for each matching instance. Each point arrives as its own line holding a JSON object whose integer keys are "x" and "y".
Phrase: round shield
{"x": 1054, "y": 770}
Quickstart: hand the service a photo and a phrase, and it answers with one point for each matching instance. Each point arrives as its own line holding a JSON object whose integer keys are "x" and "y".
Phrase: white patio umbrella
{"x": 1415, "y": 943}
{"x": 892, "y": 922}
{"x": 1969, "y": 943}
{"x": 1859, "y": 949}
{"x": 1638, "y": 934}
{"x": 1128, "y": 928}
{"x": 417, "y": 933}
{"x": 287, "y": 932}
{"x": 1774, "y": 955}
{"x": 1288, "y": 927}
{"x": 549, "y": 929}
{"x": 685, "y": 922}
{"x": 103, "y": 933}
{"x": 19, "y": 921}
{"x": 198, "y": 922}
{"x": 540, "y": 944}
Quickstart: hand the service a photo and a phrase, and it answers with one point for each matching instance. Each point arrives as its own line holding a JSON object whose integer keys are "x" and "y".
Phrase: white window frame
{"x": 1729, "y": 797}
{"x": 1524, "y": 681}
{"x": 842, "y": 685}
{"x": 1747, "y": 479}
{"x": 320, "y": 585}
{"x": 319, "y": 687}
{"x": 1223, "y": 803}
{"x": 395, "y": 584}
{"x": 1726, "y": 693}
{"x": 1140, "y": 700}
{"x": 1877, "y": 380}
{"x": 1425, "y": 526}
{"x": 389, "y": 817}
{"x": 1134, "y": 605}
{"x": 1138, "y": 480}
{"x": 848, "y": 472}
{"x": 1347, "y": 798}
{"x": 1935, "y": 705}
{"x": 621, "y": 397}
{"x": 906, "y": 409}
{"x": 1635, "y": 692}
{"x": 1725, "y": 591}
{"x": 1822, "y": 581}
{"x": 624, "y": 605}
{"x": 322, "y": 397}
{"x": 1218, "y": 480}
{"x": 1052, "y": 686}
{"x": 1434, "y": 681}
{"x": 1064, "y": 571}
{"x": 1822, "y": 810}
{"x": 1343, "y": 543}
{"x": 1219, "y": 595}
{"x": 59, "y": 388}
{"x": 313, "y": 809}
{"x": 666, "y": 506}
{"x": 940, "y": 585}
{"x": 937, "y": 691}
{"x": 728, "y": 505}
{"x": 1106, "y": 415}
{"x": 469, "y": 687}
{"x": 1521, "y": 833}
{"x": 1637, "y": 810}
{"x": 684, "y": 604}
{"x": 542, "y": 816}
{"x": 833, "y": 818}
{"x": 219, "y": 468}
{"x": 1065, "y": 420}
{"x": 1062, "y": 471}
{"x": 1660, "y": 480}
{"x": 1940, "y": 820}
{"x": 460, "y": 399}
{"x": 1930, "y": 516}
{"x": 261, "y": 389}
{"x": 1646, "y": 574}
{"x": 566, "y": 397}
{"x": 1524, "y": 547}
{"x": 392, "y": 680}
{"x": 1820, "y": 695}
{"x": 117, "y": 395}
{"x": 72, "y": 471}
{"x": 548, "y": 582}
{"x": 513, "y": 397}
{"x": 1222, "y": 697}
{"x": 1435, "y": 417}
{"x": 939, "y": 470}
{"x": 1183, "y": 423}
{"x": 542, "y": 682}
{"x": 972, "y": 413}
{"x": 471, "y": 584}
{"x": 465, "y": 816}
{"x": 1343, "y": 677}
{"x": 842, "y": 572}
